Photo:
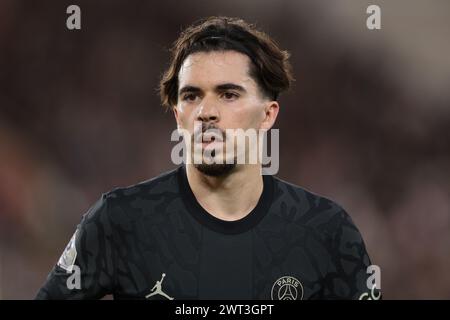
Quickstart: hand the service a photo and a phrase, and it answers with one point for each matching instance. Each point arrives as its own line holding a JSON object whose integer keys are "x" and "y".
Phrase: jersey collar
{"x": 222, "y": 226}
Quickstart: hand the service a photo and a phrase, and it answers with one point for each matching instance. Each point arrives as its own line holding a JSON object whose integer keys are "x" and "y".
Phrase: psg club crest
{"x": 287, "y": 288}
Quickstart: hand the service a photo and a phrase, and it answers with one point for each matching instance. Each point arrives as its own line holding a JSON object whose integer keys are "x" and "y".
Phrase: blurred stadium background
{"x": 366, "y": 124}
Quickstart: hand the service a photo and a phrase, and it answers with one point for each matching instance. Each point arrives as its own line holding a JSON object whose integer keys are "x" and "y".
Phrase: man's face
{"x": 216, "y": 90}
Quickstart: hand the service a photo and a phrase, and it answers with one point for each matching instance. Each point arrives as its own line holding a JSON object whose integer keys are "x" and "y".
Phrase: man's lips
{"x": 209, "y": 137}
{"x": 211, "y": 141}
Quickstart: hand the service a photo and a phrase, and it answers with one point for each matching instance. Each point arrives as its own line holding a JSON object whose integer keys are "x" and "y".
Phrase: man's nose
{"x": 208, "y": 111}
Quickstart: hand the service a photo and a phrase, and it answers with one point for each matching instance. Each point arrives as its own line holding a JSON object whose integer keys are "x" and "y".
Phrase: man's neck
{"x": 230, "y": 197}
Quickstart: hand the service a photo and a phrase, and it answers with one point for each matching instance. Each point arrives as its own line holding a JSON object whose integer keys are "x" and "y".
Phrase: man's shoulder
{"x": 164, "y": 183}
{"x": 125, "y": 204}
{"x": 309, "y": 209}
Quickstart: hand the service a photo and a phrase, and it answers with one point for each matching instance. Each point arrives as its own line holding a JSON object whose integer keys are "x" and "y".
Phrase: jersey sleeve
{"x": 350, "y": 274}
{"x": 85, "y": 269}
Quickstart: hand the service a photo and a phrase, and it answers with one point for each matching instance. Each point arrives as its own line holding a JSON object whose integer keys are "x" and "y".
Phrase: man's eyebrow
{"x": 188, "y": 89}
{"x": 219, "y": 88}
{"x": 230, "y": 86}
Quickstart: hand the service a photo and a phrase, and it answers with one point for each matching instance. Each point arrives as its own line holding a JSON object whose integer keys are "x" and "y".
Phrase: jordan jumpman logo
{"x": 157, "y": 289}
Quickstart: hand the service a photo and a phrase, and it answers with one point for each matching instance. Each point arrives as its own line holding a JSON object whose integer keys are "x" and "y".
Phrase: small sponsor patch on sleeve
{"x": 67, "y": 259}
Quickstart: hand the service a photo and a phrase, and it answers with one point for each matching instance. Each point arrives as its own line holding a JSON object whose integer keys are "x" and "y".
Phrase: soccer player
{"x": 212, "y": 229}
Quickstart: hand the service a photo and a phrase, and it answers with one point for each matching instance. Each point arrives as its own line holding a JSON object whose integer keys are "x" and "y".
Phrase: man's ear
{"x": 271, "y": 109}
{"x": 175, "y": 112}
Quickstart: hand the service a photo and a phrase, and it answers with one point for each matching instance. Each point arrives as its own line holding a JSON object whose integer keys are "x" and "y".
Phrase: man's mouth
{"x": 209, "y": 137}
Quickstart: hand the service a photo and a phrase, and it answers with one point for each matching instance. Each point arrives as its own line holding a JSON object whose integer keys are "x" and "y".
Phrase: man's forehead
{"x": 210, "y": 68}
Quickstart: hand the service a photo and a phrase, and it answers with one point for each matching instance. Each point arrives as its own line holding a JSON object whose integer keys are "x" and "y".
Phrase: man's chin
{"x": 215, "y": 169}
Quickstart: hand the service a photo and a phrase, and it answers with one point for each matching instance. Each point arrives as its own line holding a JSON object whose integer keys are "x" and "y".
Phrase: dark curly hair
{"x": 270, "y": 67}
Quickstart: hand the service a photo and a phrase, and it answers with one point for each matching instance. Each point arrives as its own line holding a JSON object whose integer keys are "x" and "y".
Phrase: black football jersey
{"x": 153, "y": 240}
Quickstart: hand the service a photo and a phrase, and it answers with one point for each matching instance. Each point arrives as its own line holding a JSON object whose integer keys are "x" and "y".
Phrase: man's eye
{"x": 189, "y": 97}
{"x": 230, "y": 95}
